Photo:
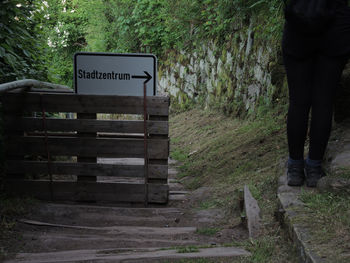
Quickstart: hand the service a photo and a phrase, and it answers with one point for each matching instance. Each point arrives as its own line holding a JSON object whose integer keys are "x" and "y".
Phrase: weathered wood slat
{"x": 75, "y": 134}
{"x": 84, "y": 125}
{"x": 87, "y": 169}
{"x": 153, "y": 136}
{"x": 114, "y": 148}
{"x": 84, "y": 103}
{"x": 82, "y": 158}
{"x": 80, "y": 191}
{"x": 17, "y": 157}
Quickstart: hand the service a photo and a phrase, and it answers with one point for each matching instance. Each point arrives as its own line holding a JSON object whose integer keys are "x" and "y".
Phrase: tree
{"x": 21, "y": 49}
{"x": 65, "y": 30}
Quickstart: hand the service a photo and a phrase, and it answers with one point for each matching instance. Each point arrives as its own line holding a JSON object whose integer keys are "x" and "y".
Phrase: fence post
{"x": 19, "y": 133}
{"x": 82, "y": 194}
{"x": 82, "y": 158}
{"x": 158, "y": 136}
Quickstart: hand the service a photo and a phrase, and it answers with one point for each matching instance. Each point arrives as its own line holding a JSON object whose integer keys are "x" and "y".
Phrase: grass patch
{"x": 229, "y": 153}
{"x": 203, "y": 260}
{"x": 208, "y": 231}
{"x": 342, "y": 173}
{"x": 262, "y": 250}
{"x": 328, "y": 217}
{"x": 208, "y": 204}
{"x": 188, "y": 249}
{"x": 179, "y": 154}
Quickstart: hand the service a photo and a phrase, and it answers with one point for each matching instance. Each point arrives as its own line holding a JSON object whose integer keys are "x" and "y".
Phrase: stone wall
{"x": 234, "y": 76}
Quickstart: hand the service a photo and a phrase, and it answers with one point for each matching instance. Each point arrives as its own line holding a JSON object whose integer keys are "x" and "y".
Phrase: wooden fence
{"x": 57, "y": 158}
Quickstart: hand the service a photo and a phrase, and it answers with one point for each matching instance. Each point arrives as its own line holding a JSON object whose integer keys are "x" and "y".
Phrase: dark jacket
{"x": 333, "y": 41}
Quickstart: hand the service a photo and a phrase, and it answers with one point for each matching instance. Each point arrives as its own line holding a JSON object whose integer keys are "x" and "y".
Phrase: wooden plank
{"x": 79, "y": 191}
{"x": 55, "y": 134}
{"x": 84, "y": 125}
{"x": 159, "y": 117}
{"x": 100, "y": 147}
{"x": 75, "y": 134}
{"x": 84, "y": 103}
{"x": 83, "y": 158}
{"x": 88, "y": 169}
{"x": 17, "y": 175}
{"x": 152, "y": 161}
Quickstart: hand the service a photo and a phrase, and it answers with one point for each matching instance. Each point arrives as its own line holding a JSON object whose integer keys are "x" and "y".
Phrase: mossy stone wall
{"x": 235, "y": 76}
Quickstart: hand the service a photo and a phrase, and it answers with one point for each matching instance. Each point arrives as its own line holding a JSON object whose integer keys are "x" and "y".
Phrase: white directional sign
{"x": 115, "y": 74}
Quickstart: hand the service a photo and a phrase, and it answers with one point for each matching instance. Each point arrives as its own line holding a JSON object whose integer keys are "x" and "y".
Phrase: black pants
{"x": 312, "y": 85}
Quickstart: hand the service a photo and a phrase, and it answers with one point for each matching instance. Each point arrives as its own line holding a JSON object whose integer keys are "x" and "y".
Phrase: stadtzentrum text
{"x": 95, "y": 74}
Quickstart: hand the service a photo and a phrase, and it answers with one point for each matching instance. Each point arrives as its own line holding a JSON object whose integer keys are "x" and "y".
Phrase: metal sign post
{"x": 145, "y": 115}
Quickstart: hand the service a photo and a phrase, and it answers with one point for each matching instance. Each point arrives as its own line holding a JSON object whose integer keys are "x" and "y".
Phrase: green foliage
{"x": 36, "y": 33}
{"x": 158, "y": 26}
{"x": 65, "y": 30}
{"x": 20, "y": 49}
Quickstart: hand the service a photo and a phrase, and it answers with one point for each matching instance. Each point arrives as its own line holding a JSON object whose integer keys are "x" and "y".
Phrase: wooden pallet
{"x": 74, "y": 145}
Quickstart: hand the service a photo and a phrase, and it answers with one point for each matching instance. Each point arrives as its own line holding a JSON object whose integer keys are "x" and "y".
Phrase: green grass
{"x": 188, "y": 249}
{"x": 180, "y": 155}
{"x": 203, "y": 260}
{"x": 208, "y": 231}
{"x": 342, "y": 173}
{"x": 230, "y": 153}
{"x": 208, "y": 204}
{"x": 328, "y": 217}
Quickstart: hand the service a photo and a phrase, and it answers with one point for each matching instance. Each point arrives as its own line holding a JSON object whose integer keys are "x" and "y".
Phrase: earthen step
{"x": 130, "y": 255}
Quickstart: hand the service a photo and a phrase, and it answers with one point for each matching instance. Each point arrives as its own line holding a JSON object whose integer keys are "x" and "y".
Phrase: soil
{"x": 70, "y": 232}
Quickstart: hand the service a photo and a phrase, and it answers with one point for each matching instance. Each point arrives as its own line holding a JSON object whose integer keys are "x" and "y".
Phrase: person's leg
{"x": 299, "y": 75}
{"x": 326, "y": 78}
{"x": 327, "y": 75}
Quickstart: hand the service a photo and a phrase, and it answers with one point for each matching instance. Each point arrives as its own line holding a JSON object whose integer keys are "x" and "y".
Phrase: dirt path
{"x": 71, "y": 232}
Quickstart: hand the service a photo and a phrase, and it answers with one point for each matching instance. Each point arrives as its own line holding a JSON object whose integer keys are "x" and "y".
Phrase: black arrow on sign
{"x": 147, "y": 77}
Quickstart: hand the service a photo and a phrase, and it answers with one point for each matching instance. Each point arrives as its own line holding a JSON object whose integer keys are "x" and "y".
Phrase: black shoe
{"x": 295, "y": 175}
{"x": 313, "y": 174}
